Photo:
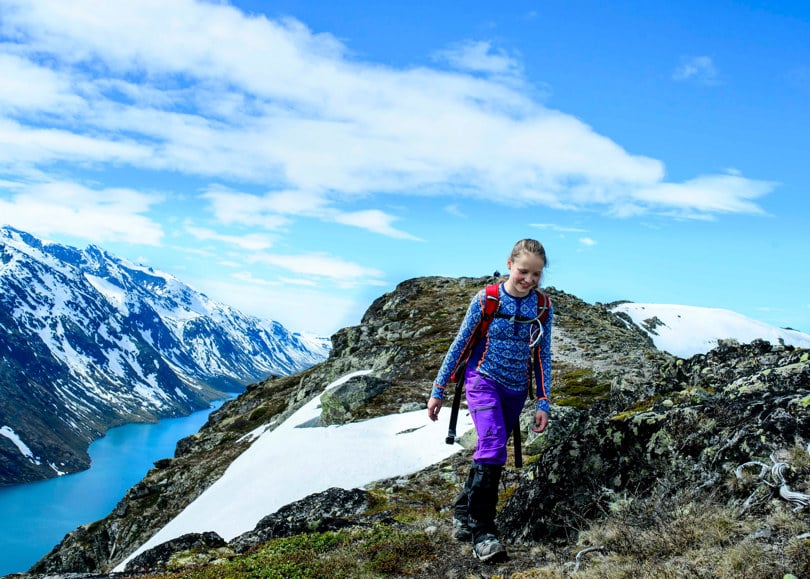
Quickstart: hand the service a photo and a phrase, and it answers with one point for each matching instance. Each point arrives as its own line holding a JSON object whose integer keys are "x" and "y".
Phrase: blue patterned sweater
{"x": 504, "y": 354}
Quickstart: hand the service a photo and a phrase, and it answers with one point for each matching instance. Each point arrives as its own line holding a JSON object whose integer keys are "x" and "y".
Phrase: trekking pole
{"x": 516, "y": 439}
{"x": 451, "y": 431}
{"x": 517, "y": 442}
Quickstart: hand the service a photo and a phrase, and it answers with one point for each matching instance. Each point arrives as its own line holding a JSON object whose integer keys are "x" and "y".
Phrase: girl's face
{"x": 524, "y": 274}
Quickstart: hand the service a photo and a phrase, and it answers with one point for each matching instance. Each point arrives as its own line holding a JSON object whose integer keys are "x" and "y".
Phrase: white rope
{"x": 774, "y": 477}
{"x": 584, "y": 552}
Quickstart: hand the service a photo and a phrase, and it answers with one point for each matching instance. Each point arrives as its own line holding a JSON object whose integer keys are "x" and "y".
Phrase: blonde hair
{"x": 529, "y": 246}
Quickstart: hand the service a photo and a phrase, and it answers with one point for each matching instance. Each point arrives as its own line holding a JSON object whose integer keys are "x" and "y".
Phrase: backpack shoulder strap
{"x": 489, "y": 306}
{"x": 543, "y": 305}
{"x": 492, "y": 300}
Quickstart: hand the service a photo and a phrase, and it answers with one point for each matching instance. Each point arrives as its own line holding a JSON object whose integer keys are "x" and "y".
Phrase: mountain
{"x": 90, "y": 341}
{"x": 653, "y": 465}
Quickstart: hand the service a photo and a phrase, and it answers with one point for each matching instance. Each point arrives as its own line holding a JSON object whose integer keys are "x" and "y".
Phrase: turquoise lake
{"x": 35, "y": 517}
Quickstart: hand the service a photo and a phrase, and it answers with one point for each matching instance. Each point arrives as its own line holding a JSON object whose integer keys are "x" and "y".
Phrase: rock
{"x": 339, "y": 404}
{"x": 330, "y": 510}
{"x": 157, "y": 558}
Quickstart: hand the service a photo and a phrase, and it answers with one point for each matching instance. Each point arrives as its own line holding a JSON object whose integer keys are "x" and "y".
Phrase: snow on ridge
{"x": 688, "y": 330}
{"x": 314, "y": 459}
{"x": 114, "y": 294}
{"x": 9, "y": 433}
{"x": 14, "y": 239}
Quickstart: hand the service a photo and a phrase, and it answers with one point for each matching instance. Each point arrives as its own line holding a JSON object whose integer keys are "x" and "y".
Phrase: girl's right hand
{"x": 434, "y": 405}
{"x": 540, "y": 421}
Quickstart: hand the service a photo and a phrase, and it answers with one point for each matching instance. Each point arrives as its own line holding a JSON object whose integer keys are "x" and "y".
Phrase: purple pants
{"x": 495, "y": 412}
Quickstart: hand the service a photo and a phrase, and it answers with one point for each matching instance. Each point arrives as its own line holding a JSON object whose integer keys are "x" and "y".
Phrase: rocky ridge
{"x": 637, "y": 436}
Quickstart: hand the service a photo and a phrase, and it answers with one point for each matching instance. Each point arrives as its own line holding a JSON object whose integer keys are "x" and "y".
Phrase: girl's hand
{"x": 434, "y": 405}
{"x": 540, "y": 421}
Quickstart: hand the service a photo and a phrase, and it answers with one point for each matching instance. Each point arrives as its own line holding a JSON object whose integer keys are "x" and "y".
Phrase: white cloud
{"x": 235, "y": 208}
{"x": 373, "y": 220}
{"x": 310, "y": 307}
{"x": 27, "y": 85}
{"x": 454, "y": 210}
{"x": 188, "y": 87}
{"x": 248, "y": 242}
{"x": 319, "y": 266}
{"x": 698, "y": 68}
{"x": 587, "y": 241}
{"x": 22, "y": 145}
{"x": 274, "y": 210}
{"x": 480, "y": 57}
{"x": 707, "y": 194}
{"x": 559, "y": 228}
{"x": 98, "y": 215}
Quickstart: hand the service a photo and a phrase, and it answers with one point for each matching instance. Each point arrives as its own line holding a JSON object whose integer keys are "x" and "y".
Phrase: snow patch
{"x": 113, "y": 293}
{"x": 289, "y": 463}
{"x": 688, "y": 330}
{"x": 9, "y": 433}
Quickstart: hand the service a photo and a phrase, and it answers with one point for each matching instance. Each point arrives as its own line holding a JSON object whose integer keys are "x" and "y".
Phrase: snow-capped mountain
{"x": 89, "y": 341}
{"x": 688, "y": 330}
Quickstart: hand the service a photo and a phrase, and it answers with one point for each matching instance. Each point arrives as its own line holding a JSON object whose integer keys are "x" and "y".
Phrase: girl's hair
{"x": 529, "y": 246}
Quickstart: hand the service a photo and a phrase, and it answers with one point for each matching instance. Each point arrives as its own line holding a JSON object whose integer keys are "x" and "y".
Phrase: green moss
{"x": 382, "y": 550}
{"x": 409, "y": 504}
{"x": 579, "y": 389}
{"x": 638, "y": 408}
{"x": 440, "y": 343}
{"x": 267, "y": 410}
{"x": 390, "y": 551}
{"x": 258, "y": 414}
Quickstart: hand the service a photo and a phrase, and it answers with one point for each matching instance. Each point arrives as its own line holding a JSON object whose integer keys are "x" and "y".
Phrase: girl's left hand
{"x": 540, "y": 421}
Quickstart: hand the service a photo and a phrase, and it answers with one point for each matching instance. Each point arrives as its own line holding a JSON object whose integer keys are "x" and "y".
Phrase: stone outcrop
{"x": 706, "y": 416}
{"x": 159, "y": 559}
{"x": 338, "y": 404}
{"x": 330, "y": 510}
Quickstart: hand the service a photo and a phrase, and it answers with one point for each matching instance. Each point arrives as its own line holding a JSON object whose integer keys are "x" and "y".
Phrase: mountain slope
{"x": 89, "y": 341}
{"x": 625, "y": 417}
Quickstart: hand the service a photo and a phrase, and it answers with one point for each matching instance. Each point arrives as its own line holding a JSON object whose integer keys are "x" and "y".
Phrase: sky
{"x": 298, "y": 159}
{"x": 356, "y": 454}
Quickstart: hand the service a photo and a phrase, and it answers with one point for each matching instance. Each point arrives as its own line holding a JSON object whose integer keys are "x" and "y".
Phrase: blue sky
{"x": 297, "y": 159}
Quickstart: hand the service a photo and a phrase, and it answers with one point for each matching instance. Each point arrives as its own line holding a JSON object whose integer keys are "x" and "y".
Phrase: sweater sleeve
{"x": 464, "y": 335}
{"x": 544, "y": 386}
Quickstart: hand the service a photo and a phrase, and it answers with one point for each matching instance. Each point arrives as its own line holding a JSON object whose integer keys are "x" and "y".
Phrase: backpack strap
{"x": 543, "y": 307}
{"x": 489, "y": 302}
{"x": 489, "y": 306}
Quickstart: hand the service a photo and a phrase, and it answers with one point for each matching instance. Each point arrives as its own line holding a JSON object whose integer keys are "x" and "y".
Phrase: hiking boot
{"x": 488, "y": 547}
{"x": 461, "y": 530}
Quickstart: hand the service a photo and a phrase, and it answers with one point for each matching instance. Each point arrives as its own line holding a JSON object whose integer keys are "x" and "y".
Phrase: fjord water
{"x": 35, "y": 517}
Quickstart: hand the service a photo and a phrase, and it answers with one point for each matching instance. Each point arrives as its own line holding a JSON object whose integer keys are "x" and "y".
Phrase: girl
{"x": 497, "y": 378}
